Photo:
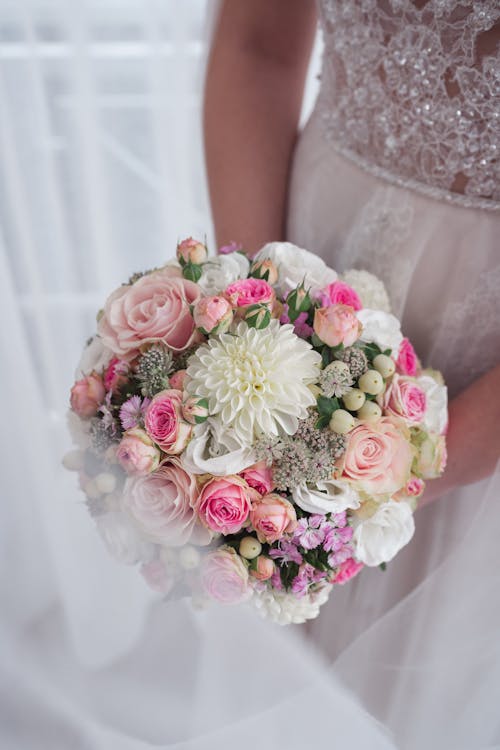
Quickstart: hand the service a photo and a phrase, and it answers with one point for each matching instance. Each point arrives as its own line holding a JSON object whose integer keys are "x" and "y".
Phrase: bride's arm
{"x": 253, "y": 94}
{"x": 473, "y": 439}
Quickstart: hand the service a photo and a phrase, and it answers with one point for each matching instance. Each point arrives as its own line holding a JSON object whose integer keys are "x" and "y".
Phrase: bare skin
{"x": 253, "y": 96}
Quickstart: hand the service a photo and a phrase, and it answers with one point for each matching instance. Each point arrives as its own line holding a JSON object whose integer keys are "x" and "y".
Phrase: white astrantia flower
{"x": 436, "y": 412}
{"x": 219, "y": 272}
{"x": 95, "y": 356}
{"x": 331, "y": 496}
{"x": 369, "y": 288}
{"x": 122, "y": 539}
{"x": 256, "y": 381}
{"x": 379, "y": 538}
{"x": 215, "y": 450}
{"x": 296, "y": 265}
{"x": 380, "y": 328}
{"x": 285, "y": 608}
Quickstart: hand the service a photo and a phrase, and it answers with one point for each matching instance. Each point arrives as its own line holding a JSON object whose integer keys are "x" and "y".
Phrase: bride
{"x": 396, "y": 172}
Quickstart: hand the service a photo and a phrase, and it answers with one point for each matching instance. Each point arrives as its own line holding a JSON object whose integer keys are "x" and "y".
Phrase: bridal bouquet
{"x": 254, "y": 430}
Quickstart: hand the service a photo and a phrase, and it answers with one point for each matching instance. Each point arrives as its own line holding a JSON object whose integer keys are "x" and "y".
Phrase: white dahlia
{"x": 256, "y": 380}
{"x": 286, "y": 609}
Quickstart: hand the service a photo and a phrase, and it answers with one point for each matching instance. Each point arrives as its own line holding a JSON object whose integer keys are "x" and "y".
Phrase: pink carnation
{"x": 407, "y": 362}
{"x": 338, "y": 293}
{"x": 347, "y": 570}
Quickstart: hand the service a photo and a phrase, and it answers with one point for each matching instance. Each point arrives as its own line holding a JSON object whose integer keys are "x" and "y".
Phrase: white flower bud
{"x": 250, "y": 547}
{"x": 91, "y": 490}
{"x": 370, "y": 411}
{"x": 354, "y": 400}
{"x": 73, "y": 460}
{"x": 105, "y": 482}
{"x": 189, "y": 557}
{"x": 372, "y": 382}
{"x": 342, "y": 422}
{"x": 384, "y": 365}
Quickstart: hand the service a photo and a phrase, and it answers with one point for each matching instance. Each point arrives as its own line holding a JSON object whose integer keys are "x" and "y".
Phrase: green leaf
{"x": 383, "y": 566}
{"x": 322, "y": 422}
{"x": 192, "y": 272}
{"x": 326, "y": 406}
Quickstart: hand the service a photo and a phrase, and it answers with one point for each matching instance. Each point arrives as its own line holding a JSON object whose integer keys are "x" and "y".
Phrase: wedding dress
{"x": 397, "y": 173}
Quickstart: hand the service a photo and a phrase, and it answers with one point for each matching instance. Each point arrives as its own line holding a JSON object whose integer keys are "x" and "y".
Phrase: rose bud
{"x": 177, "y": 381}
{"x": 191, "y": 251}
{"x": 137, "y": 454}
{"x": 298, "y": 301}
{"x": 264, "y": 568}
{"x": 257, "y": 316}
{"x": 195, "y": 410}
{"x": 87, "y": 395}
{"x": 212, "y": 315}
{"x": 264, "y": 269}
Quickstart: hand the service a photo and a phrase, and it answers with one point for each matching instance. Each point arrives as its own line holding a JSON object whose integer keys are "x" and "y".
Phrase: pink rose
{"x": 337, "y": 324}
{"x": 260, "y": 477}
{"x": 137, "y": 453}
{"x": 224, "y": 504}
{"x": 164, "y": 423}
{"x": 162, "y": 505}
{"x": 191, "y": 251}
{"x": 246, "y": 292}
{"x": 338, "y": 293}
{"x": 116, "y": 375}
{"x": 154, "y": 309}
{"x": 178, "y": 380}
{"x": 403, "y": 398}
{"x": 407, "y": 362}
{"x": 347, "y": 570}
{"x": 87, "y": 395}
{"x": 224, "y": 576}
{"x": 379, "y": 455}
{"x": 212, "y": 315}
{"x": 264, "y": 568}
{"x": 157, "y": 577}
{"x": 272, "y": 516}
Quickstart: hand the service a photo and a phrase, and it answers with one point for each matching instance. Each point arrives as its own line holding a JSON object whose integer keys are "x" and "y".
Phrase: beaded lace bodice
{"x": 412, "y": 90}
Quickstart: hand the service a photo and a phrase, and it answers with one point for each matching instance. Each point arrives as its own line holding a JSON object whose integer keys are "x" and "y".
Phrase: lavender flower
{"x": 307, "y": 536}
{"x": 286, "y": 551}
{"x": 132, "y": 412}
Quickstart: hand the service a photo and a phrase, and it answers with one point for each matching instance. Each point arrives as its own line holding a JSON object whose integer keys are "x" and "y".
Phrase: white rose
{"x": 436, "y": 412}
{"x": 326, "y": 497}
{"x": 369, "y": 288}
{"x": 221, "y": 271}
{"x": 379, "y": 538}
{"x": 215, "y": 450}
{"x": 95, "y": 356}
{"x": 295, "y": 266}
{"x": 380, "y": 328}
{"x": 122, "y": 539}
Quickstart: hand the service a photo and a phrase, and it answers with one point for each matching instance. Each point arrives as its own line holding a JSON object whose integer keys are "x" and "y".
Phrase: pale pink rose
{"x": 224, "y": 504}
{"x": 224, "y": 576}
{"x": 379, "y": 455}
{"x": 272, "y": 516}
{"x": 403, "y": 398}
{"x": 177, "y": 381}
{"x": 162, "y": 505}
{"x": 432, "y": 455}
{"x": 339, "y": 293}
{"x": 116, "y": 375}
{"x": 246, "y": 292}
{"x": 164, "y": 424}
{"x": 157, "y": 577}
{"x": 154, "y": 309}
{"x": 407, "y": 362}
{"x": 191, "y": 251}
{"x": 213, "y": 314}
{"x": 87, "y": 395}
{"x": 337, "y": 324}
{"x": 347, "y": 570}
{"x": 264, "y": 569}
{"x": 260, "y": 477}
{"x": 137, "y": 454}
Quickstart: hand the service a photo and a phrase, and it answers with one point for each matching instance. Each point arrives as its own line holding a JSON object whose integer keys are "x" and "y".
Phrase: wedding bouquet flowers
{"x": 254, "y": 431}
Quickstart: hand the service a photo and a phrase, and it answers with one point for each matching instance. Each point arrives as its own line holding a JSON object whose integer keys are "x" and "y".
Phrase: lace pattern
{"x": 413, "y": 93}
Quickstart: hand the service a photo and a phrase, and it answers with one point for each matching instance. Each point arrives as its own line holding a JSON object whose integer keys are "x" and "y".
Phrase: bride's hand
{"x": 473, "y": 439}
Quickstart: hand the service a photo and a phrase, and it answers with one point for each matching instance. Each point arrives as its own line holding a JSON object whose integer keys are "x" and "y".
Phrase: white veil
{"x": 91, "y": 659}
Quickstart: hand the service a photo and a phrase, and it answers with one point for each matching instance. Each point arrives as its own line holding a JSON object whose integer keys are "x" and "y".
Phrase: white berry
{"x": 250, "y": 547}
{"x": 372, "y": 382}
{"x": 384, "y": 365}
{"x": 370, "y": 411}
{"x": 74, "y": 460}
{"x": 342, "y": 422}
{"x": 354, "y": 400}
{"x": 105, "y": 482}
